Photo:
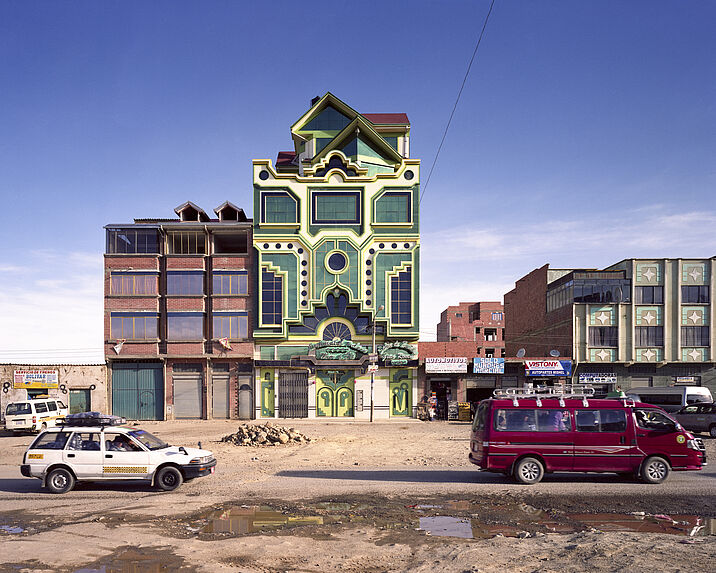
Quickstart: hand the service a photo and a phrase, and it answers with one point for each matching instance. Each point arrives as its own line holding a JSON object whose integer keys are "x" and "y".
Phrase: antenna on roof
{"x": 521, "y": 352}
{"x": 315, "y": 100}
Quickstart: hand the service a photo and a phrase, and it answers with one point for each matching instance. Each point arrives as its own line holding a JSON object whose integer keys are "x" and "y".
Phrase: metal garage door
{"x": 138, "y": 391}
{"x": 293, "y": 395}
{"x": 187, "y": 394}
{"x": 220, "y": 402}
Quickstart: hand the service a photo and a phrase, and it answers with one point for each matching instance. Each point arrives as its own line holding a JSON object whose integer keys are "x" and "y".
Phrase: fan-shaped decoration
{"x": 336, "y": 330}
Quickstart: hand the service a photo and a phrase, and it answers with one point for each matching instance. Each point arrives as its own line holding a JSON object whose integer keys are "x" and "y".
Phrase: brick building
{"x": 178, "y": 315}
{"x": 479, "y": 322}
{"x": 639, "y": 322}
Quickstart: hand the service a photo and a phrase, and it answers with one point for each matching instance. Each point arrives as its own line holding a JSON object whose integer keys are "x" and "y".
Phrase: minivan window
{"x": 541, "y": 420}
{"x": 600, "y": 420}
{"x": 658, "y": 399}
{"x": 41, "y": 407}
{"x": 653, "y": 420}
{"x": 480, "y": 417}
{"x": 18, "y": 408}
{"x": 52, "y": 406}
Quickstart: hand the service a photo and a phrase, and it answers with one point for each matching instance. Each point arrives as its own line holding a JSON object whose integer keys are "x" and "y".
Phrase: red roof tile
{"x": 285, "y": 158}
{"x": 387, "y": 118}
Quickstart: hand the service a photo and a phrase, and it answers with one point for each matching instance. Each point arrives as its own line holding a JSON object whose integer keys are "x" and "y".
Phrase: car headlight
{"x": 691, "y": 444}
{"x": 202, "y": 460}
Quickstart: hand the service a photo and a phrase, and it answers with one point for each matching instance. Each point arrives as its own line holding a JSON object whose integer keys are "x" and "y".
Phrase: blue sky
{"x": 585, "y": 133}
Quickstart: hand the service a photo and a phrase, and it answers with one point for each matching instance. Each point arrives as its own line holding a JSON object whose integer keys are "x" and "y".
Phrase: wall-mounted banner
{"x": 446, "y": 365}
{"x": 597, "y": 378}
{"x": 35, "y": 379}
{"x": 548, "y": 367}
{"x": 488, "y": 366}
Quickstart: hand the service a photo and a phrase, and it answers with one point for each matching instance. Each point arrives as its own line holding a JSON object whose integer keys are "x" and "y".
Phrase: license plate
{"x": 19, "y": 422}
{"x": 212, "y": 469}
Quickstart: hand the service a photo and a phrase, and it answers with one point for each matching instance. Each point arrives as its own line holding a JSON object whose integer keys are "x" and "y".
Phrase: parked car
{"x": 93, "y": 447}
{"x": 698, "y": 418}
{"x": 34, "y": 415}
{"x": 670, "y": 398}
{"x": 528, "y": 435}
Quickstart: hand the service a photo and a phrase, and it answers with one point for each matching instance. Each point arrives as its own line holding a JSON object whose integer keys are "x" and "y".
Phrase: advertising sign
{"x": 488, "y": 366}
{"x": 548, "y": 367}
{"x": 597, "y": 378}
{"x": 35, "y": 379}
{"x": 446, "y": 365}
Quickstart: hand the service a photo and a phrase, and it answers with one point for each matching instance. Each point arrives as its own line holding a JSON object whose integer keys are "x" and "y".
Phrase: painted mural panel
{"x": 335, "y": 390}
{"x": 401, "y": 382}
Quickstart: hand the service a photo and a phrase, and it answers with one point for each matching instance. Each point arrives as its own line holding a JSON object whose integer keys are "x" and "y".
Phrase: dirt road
{"x": 359, "y": 497}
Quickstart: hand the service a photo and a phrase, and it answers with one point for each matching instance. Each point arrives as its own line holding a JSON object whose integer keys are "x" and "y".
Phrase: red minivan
{"x": 528, "y": 435}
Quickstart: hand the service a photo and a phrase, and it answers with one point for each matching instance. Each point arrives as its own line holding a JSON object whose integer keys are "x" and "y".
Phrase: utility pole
{"x": 373, "y": 364}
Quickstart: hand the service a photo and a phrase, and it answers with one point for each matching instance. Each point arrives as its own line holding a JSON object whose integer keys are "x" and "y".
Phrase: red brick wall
{"x": 185, "y": 304}
{"x": 224, "y": 262}
{"x": 185, "y": 348}
{"x": 179, "y": 262}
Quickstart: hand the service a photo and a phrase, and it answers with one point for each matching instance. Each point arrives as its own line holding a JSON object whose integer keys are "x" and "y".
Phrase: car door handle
{"x": 107, "y": 455}
{"x": 70, "y": 455}
{"x": 622, "y": 440}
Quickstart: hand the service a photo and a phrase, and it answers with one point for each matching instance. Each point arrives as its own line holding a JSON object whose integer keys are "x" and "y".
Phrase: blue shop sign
{"x": 548, "y": 367}
{"x": 488, "y": 366}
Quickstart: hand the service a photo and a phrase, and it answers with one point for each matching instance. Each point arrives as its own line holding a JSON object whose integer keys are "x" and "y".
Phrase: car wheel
{"x": 529, "y": 471}
{"x": 712, "y": 431}
{"x": 169, "y": 478}
{"x": 655, "y": 470}
{"x": 60, "y": 480}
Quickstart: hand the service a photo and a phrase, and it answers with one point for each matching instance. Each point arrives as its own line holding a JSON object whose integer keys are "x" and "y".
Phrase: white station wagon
{"x": 94, "y": 447}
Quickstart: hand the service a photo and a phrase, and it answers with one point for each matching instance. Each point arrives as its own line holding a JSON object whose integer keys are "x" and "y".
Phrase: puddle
{"x": 444, "y": 526}
{"x": 11, "y": 529}
{"x": 138, "y": 559}
{"x": 467, "y": 519}
{"x": 243, "y": 520}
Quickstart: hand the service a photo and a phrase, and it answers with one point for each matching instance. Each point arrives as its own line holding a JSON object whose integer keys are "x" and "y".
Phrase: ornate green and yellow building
{"x": 336, "y": 239}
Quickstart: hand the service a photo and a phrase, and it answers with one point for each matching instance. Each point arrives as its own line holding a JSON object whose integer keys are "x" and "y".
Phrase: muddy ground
{"x": 360, "y": 497}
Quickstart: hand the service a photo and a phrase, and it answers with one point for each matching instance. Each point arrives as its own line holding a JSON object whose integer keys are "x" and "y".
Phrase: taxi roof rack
{"x": 560, "y": 391}
{"x": 91, "y": 419}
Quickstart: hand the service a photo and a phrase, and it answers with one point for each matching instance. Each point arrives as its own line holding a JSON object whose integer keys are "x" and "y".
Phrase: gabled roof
{"x": 202, "y": 216}
{"x": 387, "y": 118}
{"x": 240, "y": 215}
{"x": 365, "y": 129}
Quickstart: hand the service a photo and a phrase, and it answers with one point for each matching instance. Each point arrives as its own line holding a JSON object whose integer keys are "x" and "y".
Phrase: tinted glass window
{"x": 41, "y": 407}
{"x": 131, "y": 241}
{"x": 540, "y": 420}
{"x": 185, "y": 326}
{"x": 185, "y": 282}
{"x": 601, "y": 420}
{"x": 659, "y": 399}
{"x": 649, "y": 294}
{"x": 51, "y": 441}
{"x": 18, "y": 408}
{"x": 695, "y": 294}
{"x": 653, "y": 420}
{"x": 85, "y": 441}
{"x": 52, "y": 406}
{"x": 480, "y": 417}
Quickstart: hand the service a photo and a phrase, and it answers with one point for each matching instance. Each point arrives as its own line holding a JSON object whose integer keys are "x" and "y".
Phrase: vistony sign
{"x": 446, "y": 365}
{"x": 548, "y": 367}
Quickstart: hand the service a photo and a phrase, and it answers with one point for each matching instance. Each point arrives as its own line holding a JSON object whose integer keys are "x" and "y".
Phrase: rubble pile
{"x": 264, "y": 435}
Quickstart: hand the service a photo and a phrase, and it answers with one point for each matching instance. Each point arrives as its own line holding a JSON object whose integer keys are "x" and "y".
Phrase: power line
{"x": 467, "y": 73}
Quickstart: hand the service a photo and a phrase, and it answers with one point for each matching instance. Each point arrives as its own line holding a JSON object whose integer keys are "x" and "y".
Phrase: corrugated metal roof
{"x": 387, "y": 118}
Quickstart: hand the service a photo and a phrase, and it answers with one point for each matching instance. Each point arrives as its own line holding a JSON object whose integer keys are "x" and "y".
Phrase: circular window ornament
{"x": 409, "y": 175}
{"x": 263, "y": 175}
{"x": 336, "y": 262}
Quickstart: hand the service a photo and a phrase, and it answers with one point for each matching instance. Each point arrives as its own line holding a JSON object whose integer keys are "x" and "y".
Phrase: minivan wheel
{"x": 655, "y": 470}
{"x": 529, "y": 471}
{"x": 169, "y": 478}
{"x": 712, "y": 431}
{"x": 60, "y": 480}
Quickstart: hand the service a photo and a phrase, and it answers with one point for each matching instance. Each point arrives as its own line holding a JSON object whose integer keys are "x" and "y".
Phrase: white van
{"x": 34, "y": 415}
{"x": 670, "y": 398}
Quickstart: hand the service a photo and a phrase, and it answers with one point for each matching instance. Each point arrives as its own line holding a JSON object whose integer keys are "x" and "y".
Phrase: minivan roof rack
{"x": 560, "y": 391}
{"x": 91, "y": 419}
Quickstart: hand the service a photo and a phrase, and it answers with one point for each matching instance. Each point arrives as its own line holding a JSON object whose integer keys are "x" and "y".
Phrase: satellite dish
{"x": 521, "y": 352}
{"x": 554, "y": 353}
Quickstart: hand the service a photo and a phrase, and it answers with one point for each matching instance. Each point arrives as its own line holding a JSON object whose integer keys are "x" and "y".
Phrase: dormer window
{"x": 190, "y": 212}
{"x": 229, "y": 212}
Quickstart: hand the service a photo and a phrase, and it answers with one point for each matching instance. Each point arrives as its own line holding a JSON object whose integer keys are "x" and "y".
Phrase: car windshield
{"x": 149, "y": 440}
{"x": 18, "y": 408}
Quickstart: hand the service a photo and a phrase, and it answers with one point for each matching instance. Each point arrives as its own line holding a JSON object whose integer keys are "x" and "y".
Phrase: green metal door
{"x": 79, "y": 401}
{"x": 401, "y": 382}
{"x": 138, "y": 391}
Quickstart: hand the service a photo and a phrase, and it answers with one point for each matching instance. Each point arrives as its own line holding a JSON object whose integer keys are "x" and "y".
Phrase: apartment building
{"x": 178, "y": 315}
